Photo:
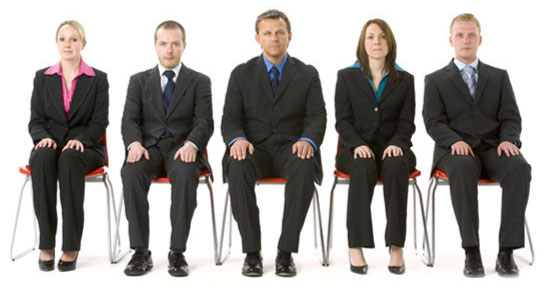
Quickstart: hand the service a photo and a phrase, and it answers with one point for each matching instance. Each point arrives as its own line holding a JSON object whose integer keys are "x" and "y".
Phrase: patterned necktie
{"x": 168, "y": 93}
{"x": 468, "y": 74}
{"x": 275, "y": 81}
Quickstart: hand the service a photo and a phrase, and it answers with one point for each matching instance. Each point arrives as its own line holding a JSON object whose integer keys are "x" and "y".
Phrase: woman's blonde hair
{"x": 76, "y": 25}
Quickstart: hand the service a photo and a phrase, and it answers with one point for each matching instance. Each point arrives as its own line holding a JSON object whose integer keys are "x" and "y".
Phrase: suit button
{"x": 376, "y": 109}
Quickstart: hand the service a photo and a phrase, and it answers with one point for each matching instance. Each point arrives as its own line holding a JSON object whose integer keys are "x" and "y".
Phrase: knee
{"x": 394, "y": 166}
{"x": 131, "y": 170}
{"x": 184, "y": 170}
{"x": 306, "y": 165}
{"x": 520, "y": 168}
{"x": 69, "y": 158}
{"x": 43, "y": 157}
{"x": 362, "y": 167}
{"x": 464, "y": 165}
{"x": 237, "y": 168}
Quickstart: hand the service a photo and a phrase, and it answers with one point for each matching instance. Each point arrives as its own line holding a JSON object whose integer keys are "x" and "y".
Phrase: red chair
{"x": 342, "y": 178}
{"x": 272, "y": 181}
{"x": 97, "y": 176}
{"x": 439, "y": 178}
{"x": 204, "y": 178}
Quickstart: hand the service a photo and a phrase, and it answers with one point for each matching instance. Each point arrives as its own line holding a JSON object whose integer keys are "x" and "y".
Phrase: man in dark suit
{"x": 166, "y": 125}
{"x": 471, "y": 112}
{"x": 273, "y": 123}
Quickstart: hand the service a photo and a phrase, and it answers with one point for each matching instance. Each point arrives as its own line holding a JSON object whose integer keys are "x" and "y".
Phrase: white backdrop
{"x": 220, "y": 35}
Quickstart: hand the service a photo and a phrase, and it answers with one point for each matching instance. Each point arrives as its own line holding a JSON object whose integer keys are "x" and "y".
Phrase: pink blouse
{"x": 67, "y": 95}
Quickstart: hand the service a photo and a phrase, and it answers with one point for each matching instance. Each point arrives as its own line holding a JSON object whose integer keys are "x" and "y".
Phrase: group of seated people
{"x": 273, "y": 124}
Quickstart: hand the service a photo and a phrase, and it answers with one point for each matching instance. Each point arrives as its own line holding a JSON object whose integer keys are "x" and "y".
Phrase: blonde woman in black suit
{"x": 69, "y": 115}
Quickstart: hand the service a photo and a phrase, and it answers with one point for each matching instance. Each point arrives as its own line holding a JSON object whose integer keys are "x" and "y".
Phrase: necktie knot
{"x": 275, "y": 72}
{"x": 469, "y": 78}
{"x": 169, "y": 74}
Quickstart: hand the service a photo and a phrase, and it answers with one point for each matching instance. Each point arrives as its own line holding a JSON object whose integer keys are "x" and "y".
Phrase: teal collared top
{"x": 382, "y": 83}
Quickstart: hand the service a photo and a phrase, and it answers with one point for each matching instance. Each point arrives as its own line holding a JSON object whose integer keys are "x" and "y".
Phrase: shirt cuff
{"x": 129, "y": 147}
{"x": 310, "y": 141}
{"x": 235, "y": 139}
{"x": 194, "y": 145}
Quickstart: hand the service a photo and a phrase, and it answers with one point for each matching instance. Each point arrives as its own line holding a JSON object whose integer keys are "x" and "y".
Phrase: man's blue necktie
{"x": 275, "y": 81}
{"x": 168, "y": 93}
{"x": 468, "y": 74}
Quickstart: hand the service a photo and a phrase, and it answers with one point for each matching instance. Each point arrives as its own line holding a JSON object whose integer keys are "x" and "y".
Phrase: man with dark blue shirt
{"x": 273, "y": 123}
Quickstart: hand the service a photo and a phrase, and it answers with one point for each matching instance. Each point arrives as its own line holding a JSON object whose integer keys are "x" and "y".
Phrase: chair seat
{"x": 271, "y": 180}
{"x": 204, "y": 173}
{"x": 415, "y": 173}
{"x": 443, "y": 175}
{"x": 99, "y": 171}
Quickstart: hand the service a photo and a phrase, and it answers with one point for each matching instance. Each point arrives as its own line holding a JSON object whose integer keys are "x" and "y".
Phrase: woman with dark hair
{"x": 374, "y": 102}
{"x": 69, "y": 115}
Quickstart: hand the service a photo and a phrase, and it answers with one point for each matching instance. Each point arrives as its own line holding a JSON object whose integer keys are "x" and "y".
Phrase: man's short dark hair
{"x": 171, "y": 24}
{"x": 272, "y": 14}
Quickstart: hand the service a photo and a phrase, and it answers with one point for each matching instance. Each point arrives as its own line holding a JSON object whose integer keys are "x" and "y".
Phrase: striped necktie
{"x": 468, "y": 74}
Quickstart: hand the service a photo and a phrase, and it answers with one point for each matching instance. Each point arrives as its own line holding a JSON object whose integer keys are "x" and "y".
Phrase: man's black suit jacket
{"x": 189, "y": 117}
{"x": 362, "y": 120}
{"x": 297, "y": 110}
{"x": 452, "y": 115}
{"x": 87, "y": 117}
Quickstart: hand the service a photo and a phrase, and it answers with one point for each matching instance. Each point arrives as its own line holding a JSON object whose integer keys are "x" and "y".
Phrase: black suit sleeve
{"x": 132, "y": 114}
{"x": 38, "y": 122}
{"x": 203, "y": 124}
{"x": 435, "y": 117}
{"x": 232, "y": 123}
{"x": 96, "y": 128}
{"x": 509, "y": 115}
{"x": 345, "y": 116}
{"x": 315, "y": 119}
{"x": 405, "y": 124}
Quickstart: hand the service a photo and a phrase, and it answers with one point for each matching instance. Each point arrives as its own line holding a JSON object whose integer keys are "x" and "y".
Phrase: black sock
{"x": 506, "y": 250}
{"x": 141, "y": 249}
{"x": 471, "y": 250}
{"x": 253, "y": 254}
{"x": 283, "y": 254}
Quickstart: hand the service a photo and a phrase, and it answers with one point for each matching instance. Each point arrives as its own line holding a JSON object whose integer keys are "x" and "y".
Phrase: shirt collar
{"x": 280, "y": 66}
{"x": 83, "y": 69}
{"x": 461, "y": 65}
{"x": 357, "y": 65}
{"x": 175, "y": 70}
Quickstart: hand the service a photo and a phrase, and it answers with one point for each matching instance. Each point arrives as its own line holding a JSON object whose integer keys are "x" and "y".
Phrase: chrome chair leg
{"x": 530, "y": 261}
{"x": 214, "y": 231}
{"x": 330, "y": 224}
{"x": 220, "y": 251}
{"x": 427, "y": 259}
{"x": 121, "y": 255}
{"x": 25, "y": 252}
{"x": 316, "y": 197}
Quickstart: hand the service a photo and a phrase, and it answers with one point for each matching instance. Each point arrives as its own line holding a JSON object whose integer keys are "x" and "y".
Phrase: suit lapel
{"x": 287, "y": 75}
{"x": 182, "y": 83}
{"x": 456, "y": 77}
{"x": 80, "y": 93}
{"x": 153, "y": 84}
{"x": 362, "y": 79}
{"x": 481, "y": 83}
{"x": 54, "y": 85}
{"x": 388, "y": 88}
{"x": 263, "y": 77}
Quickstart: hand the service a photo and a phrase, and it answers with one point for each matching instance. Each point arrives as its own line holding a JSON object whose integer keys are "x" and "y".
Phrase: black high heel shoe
{"x": 398, "y": 270}
{"x": 48, "y": 265}
{"x": 361, "y": 270}
{"x": 65, "y": 266}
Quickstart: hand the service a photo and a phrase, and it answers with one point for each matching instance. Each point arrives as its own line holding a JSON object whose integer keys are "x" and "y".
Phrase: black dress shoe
{"x": 139, "y": 264}
{"x": 398, "y": 270}
{"x": 473, "y": 265}
{"x": 46, "y": 266}
{"x": 177, "y": 265}
{"x": 362, "y": 270}
{"x": 505, "y": 265}
{"x": 253, "y": 265}
{"x": 65, "y": 266}
{"x": 285, "y": 267}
